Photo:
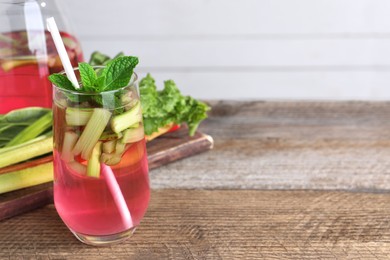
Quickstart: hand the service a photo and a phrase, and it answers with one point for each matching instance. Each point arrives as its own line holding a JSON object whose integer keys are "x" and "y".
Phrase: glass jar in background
{"x": 27, "y": 52}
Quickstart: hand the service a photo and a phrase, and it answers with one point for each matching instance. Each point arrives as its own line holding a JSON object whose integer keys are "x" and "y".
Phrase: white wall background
{"x": 247, "y": 49}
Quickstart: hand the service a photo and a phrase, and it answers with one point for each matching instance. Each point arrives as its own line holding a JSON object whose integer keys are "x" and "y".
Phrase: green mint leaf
{"x": 88, "y": 75}
{"x": 99, "y": 83}
{"x": 87, "y": 89}
{"x": 61, "y": 81}
{"x": 118, "y": 72}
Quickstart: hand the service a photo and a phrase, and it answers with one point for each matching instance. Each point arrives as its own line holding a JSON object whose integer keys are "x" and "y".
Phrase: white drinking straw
{"x": 116, "y": 192}
{"x": 107, "y": 172}
{"x": 55, "y": 34}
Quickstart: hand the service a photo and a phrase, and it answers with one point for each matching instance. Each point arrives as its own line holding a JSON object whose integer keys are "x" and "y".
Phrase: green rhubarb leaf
{"x": 23, "y": 115}
{"x": 170, "y": 95}
{"x": 33, "y": 130}
{"x": 169, "y": 106}
{"x": 7, "y": 134}
{"x": 88, "y": 75}
{"x": 151, "y": 105}
{"x": 61, "y": 81}
{"x": 196, "y": 113}
{"x": 151, "y": 125}
{"x": 98, "y": 58}
{"x": 119, "y": 71}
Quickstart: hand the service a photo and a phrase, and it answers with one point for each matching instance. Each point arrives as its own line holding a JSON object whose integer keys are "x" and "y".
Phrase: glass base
{"x": 104, "y": 240}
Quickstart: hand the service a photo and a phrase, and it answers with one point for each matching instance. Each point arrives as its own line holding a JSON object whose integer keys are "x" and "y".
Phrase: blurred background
{"x": 248, "y": 49}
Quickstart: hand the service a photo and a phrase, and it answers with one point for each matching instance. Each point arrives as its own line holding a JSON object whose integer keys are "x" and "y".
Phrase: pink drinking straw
{"x": 117, "y": 195}
{"x": 109, "y": 176}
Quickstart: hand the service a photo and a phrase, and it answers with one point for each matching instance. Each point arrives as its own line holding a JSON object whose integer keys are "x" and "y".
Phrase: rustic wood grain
{"x": 280, "y": 146}
{"x": 289, "y": 145}
{"x": 176, "y": 145}
{"x": 163, "y": 150}
{"x": 223, "y": 224}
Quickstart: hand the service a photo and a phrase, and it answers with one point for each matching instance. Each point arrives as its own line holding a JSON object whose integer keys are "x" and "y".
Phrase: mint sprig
{"x": 88, "y": 76}
{"x": 118, "y": 72}
{"x": 115, "y": 75}
{"x": 61, "y": 81}
{"x": 159, "y": 108}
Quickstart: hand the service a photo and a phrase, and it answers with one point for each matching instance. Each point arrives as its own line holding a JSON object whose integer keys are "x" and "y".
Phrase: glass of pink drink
{"x": 101, "y": 184}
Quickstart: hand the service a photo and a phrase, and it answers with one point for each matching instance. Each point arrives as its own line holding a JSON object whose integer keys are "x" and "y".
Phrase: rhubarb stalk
{"x": 92, "y": 132}
{"x": 127, "y": 119}
{"x": 24, "y": 152}
{"x": 26, "y": 177}
{"x": 32, "y": 131}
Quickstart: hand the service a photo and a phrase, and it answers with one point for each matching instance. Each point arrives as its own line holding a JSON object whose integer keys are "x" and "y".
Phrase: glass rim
{"x": 133, "y": 80}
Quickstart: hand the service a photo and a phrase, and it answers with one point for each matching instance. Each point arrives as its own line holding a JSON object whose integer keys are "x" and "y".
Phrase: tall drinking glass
{"x": 101, "y": 184}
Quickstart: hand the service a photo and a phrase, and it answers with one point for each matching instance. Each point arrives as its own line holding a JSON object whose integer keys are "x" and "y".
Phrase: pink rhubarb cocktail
{"x": 101, "y": 184}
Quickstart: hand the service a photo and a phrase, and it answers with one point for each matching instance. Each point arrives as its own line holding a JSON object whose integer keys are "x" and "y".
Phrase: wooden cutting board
{"x": 163, "y": 150}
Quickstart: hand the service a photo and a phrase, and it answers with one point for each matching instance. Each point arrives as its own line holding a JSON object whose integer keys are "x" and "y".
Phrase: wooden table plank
{"x": 272, "y": 148}
{"x": 222, "y": 224}
{"x": 289, "y": 145}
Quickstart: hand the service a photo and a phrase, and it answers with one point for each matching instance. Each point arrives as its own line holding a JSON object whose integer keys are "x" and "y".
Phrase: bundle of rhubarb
{"x": 26, "y": 137}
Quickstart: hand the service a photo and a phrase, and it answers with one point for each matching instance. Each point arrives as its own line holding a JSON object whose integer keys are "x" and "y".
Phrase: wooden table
{"x": 298, "y": 180}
